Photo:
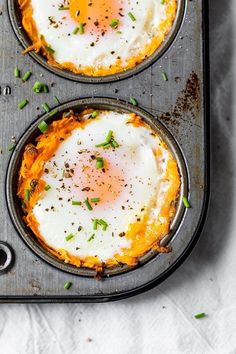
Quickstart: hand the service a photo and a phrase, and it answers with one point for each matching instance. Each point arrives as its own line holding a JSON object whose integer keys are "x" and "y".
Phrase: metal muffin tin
{"x": 15, "y": 17}
{"x": 179, "y": 104}
{"x": 29, "y": 137}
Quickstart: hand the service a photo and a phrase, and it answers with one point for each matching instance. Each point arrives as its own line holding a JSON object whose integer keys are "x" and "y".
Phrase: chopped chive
{"x": 63, "y": 7}
{"x": 43, "y": 127}
{"x": 11, "y": 148}
{"x": 45, "y": 107}
{"x": 40, "y": 87}
{"x": 99, "y": 162}
{"x": 17, "y": 72}
{"x": 76, "y": 30}
{"x": 27, "y": 195}
{"x": 95, "y": 224}
{"x": 94, "y": 114}
{"x": 100, "y": 145}
{"x": 91, "y": 237}
{"x": 81, "y": 28}
{"x": 133, "y": 18}
{"x": 186, "y": 202}
{"x": 76, "y": 202}
{"x": 106, "y": 146}
{"x": 133, "y": 101}
{"x": 56, "y": 100}
{"x": 200, "y": 315}
{"x": 109, "y": 137}
{"x": 67, "y": 285}
{"x": 23, "y": 103}
{"x": 26, "y": 76}
{"x": 49, "y": 49}
{"x": 114, "y": 144}
{"x": 47, "y": 187}
{"x": 103, "y": 223}
{"x": 23, "y": 204}
{"x": 88, "y": 205}
{"x": 95, "y": 200}
{"x": 164, "y": 76}
{"x": 69, "y": 237}
{"x": 114, "y": 23}
{"x": 163, "y": 2}
{"x": 52, "y": 113}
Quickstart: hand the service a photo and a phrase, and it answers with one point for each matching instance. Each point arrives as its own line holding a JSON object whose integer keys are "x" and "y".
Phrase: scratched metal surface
{"x": 178, "y": 103}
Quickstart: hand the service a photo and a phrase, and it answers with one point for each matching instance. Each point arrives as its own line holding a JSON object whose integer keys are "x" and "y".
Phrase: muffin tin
{"x": 177, "y": 108}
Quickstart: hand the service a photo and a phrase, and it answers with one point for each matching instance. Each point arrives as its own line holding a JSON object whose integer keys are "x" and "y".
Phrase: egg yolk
{"x": 105, "y": 183}
{"x": 96, "y": 15}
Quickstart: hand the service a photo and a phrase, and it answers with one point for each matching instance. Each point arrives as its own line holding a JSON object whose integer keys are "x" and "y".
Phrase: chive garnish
{"x": 40, "y": 87}
{"x": 114, "y": 144}
{"x": 133, "y": 18}
{"x": 91, "y": 237}
{"x": 27, "y": 195}
{"x": 76, "y": 202}
{"x": 23, "y": 103}
{"x": 133, "y": 101}
{"x": 52, "y": 113}
{"x": 81, "y": 28}
{"x": 114, "y": 23}
{"x": 11, "y": 148}
{"x": 69, "y": 237}
{"x": 94, "y": 114}
{"x": 43, "y": 127}
{"x": 88, "y": 205}
{"x": 45, "y": 107}
{"x": 47, "y": 187}
{"x": 163, "y": 2}
{"x": 95, "y": 224}
{"x": 200, "y": 315}
{"x": 109, "y": 141}
{"x": 186, "y": 202}
{"x": 76, "y": 30}
{"x": 56, "y": 100}
{"x": 95, "y": 200}
{"x": 49, "y": 49}
{"x": 67, "y": 285}
{"x": 63, "y": 7}
{"x": 164, "y": 76}
{"x": 103, "y": 223}
{"x": 99, "y": 162}
{"x": 26, "y": 76}
{"x": 17, "y": 72}
{"x": 106, "y": 146}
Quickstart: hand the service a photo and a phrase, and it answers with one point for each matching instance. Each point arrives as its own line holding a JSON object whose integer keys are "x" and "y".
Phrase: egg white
{"x": 125, "y": 42}
{"x": 144, "y": 184}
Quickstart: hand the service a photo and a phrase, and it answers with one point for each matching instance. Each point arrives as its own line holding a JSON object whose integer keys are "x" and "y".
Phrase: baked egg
{"x": 97, "y": 37}
{"x": 99, "y": 188}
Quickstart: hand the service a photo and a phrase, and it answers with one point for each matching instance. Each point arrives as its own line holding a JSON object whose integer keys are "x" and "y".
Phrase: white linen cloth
{"x": 162, "y": 320}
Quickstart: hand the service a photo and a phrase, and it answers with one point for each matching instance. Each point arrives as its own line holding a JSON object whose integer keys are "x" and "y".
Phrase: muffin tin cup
{"x": 15, "y": 19}
{"x": 29, "y": 136}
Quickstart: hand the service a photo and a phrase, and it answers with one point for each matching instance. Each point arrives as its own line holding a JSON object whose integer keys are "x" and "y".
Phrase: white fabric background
{"x": 161, "y": 321}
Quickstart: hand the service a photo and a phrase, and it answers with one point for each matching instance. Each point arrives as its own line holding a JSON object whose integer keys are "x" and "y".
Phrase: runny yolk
{"x": 96, "y": 15}
{"x": 91, "y": 182}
